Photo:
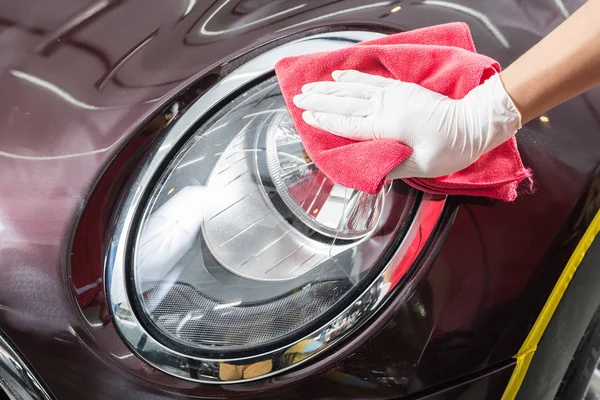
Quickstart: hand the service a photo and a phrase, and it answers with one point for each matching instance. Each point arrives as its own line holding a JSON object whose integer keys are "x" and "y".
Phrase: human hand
{"x": 446, "y": 135}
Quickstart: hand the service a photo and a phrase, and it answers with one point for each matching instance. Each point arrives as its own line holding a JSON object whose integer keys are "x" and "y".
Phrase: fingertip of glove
{"x": 307, "y": 88}
{"x": 308, "y": 117}
{"x": 297, "y": 99}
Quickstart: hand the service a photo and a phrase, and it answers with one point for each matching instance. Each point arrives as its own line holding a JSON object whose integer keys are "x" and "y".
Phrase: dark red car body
{"x": 79, "y": 80}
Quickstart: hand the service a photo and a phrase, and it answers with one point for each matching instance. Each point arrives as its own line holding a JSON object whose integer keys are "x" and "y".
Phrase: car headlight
{"x": 232, "y": 248}
{"x": 244, "y": 242}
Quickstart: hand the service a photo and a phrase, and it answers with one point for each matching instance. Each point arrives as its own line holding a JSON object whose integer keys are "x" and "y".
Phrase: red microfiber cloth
{"x": 441, "y": 58}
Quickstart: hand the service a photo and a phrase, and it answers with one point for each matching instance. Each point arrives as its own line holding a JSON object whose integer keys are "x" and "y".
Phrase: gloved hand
{"x": 446, "y": 135}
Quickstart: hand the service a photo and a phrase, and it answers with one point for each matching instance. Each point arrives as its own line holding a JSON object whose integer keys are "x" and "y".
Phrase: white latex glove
{"x": 446, "y": 135}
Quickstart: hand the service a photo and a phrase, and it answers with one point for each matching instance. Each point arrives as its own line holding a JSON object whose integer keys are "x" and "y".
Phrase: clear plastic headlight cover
{"x": 245, "y": 244}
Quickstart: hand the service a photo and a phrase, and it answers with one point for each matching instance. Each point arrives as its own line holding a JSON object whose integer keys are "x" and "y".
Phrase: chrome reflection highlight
{"x": 218, "y": 368}
{"x": 15, "y": 377}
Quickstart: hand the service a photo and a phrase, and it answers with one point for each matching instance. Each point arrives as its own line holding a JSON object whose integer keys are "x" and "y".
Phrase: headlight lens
{"x": 244, "y": 243}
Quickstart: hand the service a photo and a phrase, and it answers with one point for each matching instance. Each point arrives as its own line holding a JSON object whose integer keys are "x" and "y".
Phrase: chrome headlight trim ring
{"x": 16, "y": 378}
{"x": 206, "y": 370}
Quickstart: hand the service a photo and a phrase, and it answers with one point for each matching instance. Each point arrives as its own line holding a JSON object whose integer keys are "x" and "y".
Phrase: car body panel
{"x": 486, "y": 386}
{"x": 80, "y": 79}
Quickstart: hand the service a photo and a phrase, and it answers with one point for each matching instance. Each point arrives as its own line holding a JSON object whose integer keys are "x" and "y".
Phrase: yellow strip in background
{"x": 530, "y": 345}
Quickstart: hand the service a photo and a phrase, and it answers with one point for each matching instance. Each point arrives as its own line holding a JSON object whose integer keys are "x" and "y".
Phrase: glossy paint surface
{"x": 489, "y": 385}
{"x": 79, "y": 79}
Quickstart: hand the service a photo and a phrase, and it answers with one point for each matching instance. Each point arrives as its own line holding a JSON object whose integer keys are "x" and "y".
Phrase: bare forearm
{"x": 564, "y": 64}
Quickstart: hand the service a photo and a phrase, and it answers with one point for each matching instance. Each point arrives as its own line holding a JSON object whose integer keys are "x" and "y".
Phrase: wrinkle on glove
{"x": 441, "y": 58}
